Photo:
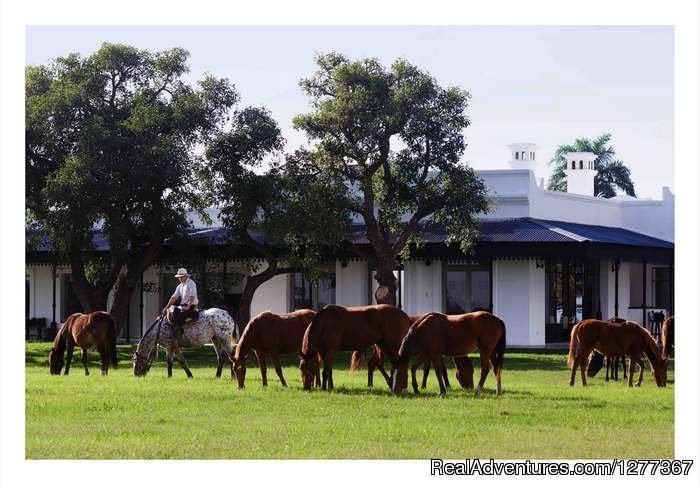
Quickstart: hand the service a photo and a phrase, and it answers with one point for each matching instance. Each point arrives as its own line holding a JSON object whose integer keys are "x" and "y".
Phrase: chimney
{"x": 580, "y": 173}
{"x": 522, "y": 156}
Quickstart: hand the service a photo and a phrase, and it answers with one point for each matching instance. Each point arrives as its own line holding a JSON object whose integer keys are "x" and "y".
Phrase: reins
{"x": 160, "y": 320}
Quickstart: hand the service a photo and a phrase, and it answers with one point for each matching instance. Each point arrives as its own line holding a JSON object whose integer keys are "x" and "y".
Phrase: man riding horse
{"x": 186, "y": 293}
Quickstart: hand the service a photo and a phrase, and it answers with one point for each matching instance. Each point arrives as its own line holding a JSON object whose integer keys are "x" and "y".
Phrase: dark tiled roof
{"x": 515, "y": 230}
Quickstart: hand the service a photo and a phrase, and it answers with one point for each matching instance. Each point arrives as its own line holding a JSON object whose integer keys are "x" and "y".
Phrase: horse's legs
{"x": 630, "y": 373}
{"x": 640, "y": 361}
{"x": 420, "y": 359}
{"x": 219, "y": 357}
{"x": 69, "y": 356}
{"x": 444, "y": 373}
{"x": 104, "y": 359}
{"x": 178, "y": 356}
{"x": 572, "y": 378}
{"x": 278, "y": 367}
{"x": 169, "y": 360}
{"x": 437, "y": 363}
{"x": 426, "y": 373}
{"x": 624, "y": 367}
{"x": 84, "y": 358}
{"x": 263, "y": 365}
{"x": 583, "y": 364}
{"x": 371, "y": 364}
{"x": 484, "y": 357}
{"x": 328, "y": 371}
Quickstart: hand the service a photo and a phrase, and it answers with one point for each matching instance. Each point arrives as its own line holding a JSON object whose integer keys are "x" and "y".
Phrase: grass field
{"x": 538, "y": 416}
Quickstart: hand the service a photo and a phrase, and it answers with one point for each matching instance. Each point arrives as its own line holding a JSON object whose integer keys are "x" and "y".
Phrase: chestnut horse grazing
{"x": 96, "y": 329}
{"x": 438, "y": 334}
{"x": 271, "y": 334}
{"x": 614, "y": 340}
{"x": 667, "y": 338}
{"x": 337, "y": 328}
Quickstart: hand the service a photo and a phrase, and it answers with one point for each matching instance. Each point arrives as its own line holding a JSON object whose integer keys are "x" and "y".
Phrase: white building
{"x": 545, "y": 260}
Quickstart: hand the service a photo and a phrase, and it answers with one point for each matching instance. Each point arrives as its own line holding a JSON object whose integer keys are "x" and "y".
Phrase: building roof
{"x": 506, "y": 233}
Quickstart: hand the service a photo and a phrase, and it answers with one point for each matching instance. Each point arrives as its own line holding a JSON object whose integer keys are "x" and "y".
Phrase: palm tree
{"x": 612, "y": 173}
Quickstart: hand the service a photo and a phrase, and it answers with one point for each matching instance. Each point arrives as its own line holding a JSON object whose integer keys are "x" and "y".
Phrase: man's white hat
{"x": 181, "y": 272}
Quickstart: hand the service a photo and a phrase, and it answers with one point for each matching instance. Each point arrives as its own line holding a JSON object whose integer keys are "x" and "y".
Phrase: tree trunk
{"x": 92, "y": 298}
{"x": 120, "y": 305}
{"x": 251, "y": 285}
{"x": 386, "y": 293}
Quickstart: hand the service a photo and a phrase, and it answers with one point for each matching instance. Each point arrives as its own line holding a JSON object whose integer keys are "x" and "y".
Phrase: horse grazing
{"x": 612, "y": 364}
{"x": 615, "y": 340}
{"x": 214, "y": 325}
{"x": 95, "y": 329}
{"x": 667, "y": 338}
{"x": 337, "y": 328}
{"x": 271, "y": 334}
{"x": 377, "y": 362}
{"x": 438, "y": 334}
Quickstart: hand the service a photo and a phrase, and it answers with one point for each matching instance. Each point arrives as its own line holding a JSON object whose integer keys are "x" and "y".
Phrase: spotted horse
{"x": 214, "y": 325}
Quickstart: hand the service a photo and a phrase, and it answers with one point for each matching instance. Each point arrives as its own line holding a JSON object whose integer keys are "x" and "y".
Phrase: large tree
{"x": 112, "y": 143}
{"x": 395, "y": 136}
{"x": 284, "y": 209}
{"x": 612, "y": 175}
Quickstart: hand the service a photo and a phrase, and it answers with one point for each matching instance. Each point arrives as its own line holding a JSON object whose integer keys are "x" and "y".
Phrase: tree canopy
{"x": 112, "y": 141}
{"x": 394, "y": 136}
{"x": 612, "y": 175}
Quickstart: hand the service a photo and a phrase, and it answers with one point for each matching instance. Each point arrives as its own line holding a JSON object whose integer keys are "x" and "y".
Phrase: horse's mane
{"x": 247, "y": 332}
{"x": 407, "y": 348}
{"x": 651, "y": 349}
{"x": 59, "y": 342}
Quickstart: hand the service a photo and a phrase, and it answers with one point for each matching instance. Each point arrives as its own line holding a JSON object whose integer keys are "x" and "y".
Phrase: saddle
{"x": 173, "y": 312}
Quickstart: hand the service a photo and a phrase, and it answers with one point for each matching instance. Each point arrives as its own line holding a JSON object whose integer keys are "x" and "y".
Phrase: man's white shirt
{"x": 185, "y": 290}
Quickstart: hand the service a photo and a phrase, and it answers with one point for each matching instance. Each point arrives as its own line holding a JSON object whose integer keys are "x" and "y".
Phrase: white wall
{"x": 273, "y": 295}
{"x": 351, "y": 283}
{"x": 518, "y": 300}
{"x": 422, "y": 287}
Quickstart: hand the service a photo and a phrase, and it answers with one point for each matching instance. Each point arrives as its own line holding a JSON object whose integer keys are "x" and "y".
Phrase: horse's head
{"x": 239, "y": 370}
{"x": 399, "y": 376}
{"x": 141, "y": 362}
{"x": 660, "y": 372}
{"x": 308, "y": 364}
{"x": 55, "y": 361}
{"x": 595, "y": 364}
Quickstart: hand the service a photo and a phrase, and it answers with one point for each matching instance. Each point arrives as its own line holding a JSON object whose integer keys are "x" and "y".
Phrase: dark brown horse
{"x": 338, "y": 328}
{"x": 614, "y": 340}
{"x": 438, "y": 334}
{"x": 667, "y": 338}
{"x": 271, "y": 334}
{"x": 96, "y": 329}
{"x": 377, "y": 362}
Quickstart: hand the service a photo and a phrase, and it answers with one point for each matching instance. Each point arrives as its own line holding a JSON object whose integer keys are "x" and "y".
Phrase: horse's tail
{"x": 111, "y": 344}
{"x": 573, "y": 341}
{"x": 666, "y": 338}
{"x": 358, "y": 360}
{"x": 499, "y": 352}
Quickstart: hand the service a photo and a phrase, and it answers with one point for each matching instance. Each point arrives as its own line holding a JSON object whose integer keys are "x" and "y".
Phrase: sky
{"x": 544, "y": 85}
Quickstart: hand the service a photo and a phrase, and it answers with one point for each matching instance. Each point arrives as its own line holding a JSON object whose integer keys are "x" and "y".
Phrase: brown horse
{"x": 96, "y": 329}
{"x": 667, "y": 338}
{"x": 614, "y": 340}
{"x": 337, "y": 328}
{"x": 438, "y": 334}
{"x": 612, "y": 364}
{"x": 271, "y": 334}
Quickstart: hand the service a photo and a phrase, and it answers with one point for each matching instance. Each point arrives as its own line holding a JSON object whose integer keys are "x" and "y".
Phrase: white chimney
{"x": 522, "y": 156}
{"x": 580, "y": 173}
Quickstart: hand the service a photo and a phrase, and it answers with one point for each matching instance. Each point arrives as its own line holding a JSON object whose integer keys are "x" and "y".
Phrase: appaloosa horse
{"x": 614, "y": 340}
{"x": 95, "y": 329}
{"x": 438, "y": 334}
{"x": 271, "y": 334}
{"x": 337, "y": 328}
{"x": 214, "y": 325}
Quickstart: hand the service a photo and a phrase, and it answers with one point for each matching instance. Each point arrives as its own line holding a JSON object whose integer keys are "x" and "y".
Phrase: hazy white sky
{"x": 546, "y": 85}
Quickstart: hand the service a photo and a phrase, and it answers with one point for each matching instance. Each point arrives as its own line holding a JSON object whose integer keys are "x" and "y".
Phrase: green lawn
{"x": 538, "y": 416}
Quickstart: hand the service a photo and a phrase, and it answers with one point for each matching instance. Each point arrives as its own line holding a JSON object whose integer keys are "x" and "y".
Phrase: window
{"x": 533, "y": 155}
{"x": 517, "y": 155}
{"x": 661, "y": 287}
{"x": 580, "y": 164}
{"x": 467, "y": 289}
{"x": 27, "y": 300}
{"x": 573, "y": 165}
{"x": 313, "y": 296}
{"x": 636, "y": 284}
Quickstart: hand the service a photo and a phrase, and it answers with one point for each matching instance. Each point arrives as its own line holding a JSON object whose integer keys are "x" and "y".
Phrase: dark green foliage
{"x": 111, "y": 139}
{"x": 395, "y": 137}
{"x": 612, "y": 175}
